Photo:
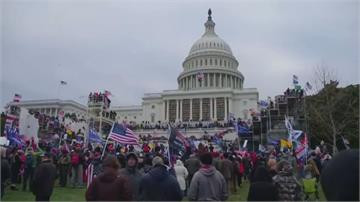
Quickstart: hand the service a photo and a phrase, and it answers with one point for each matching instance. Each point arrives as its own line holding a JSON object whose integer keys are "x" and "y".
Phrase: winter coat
{"x": 208, "y": 184}
{"x": 192, "y": 165}
{"x": 262, "y": 187}
{"x": 226, "y": 168}
{"x": 134, "y": 177}
{"x": 159, "y": 185}
{"x": 109, "y": 186}
{"x": 288, "y": 186}
{"x": 263, "y": 191}
{"x": 44, "y": 179}
{"x": 181, "y": 174}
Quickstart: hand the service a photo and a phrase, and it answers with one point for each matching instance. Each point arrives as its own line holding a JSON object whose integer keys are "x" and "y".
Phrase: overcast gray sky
{"x": 137, "y": 47}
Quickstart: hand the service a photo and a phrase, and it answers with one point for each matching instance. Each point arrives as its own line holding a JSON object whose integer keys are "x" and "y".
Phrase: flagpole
{"x": 107, "y": 140}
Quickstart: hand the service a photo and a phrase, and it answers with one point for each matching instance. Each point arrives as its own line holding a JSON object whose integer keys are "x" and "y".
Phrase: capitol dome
{"x": 210, "y": 63}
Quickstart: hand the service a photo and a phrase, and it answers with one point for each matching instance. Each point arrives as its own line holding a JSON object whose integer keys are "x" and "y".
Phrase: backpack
{"x": 75, "y": 159}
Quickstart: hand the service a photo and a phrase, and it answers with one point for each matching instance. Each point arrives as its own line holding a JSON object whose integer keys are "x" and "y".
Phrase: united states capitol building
{"x": 210, "y": 88}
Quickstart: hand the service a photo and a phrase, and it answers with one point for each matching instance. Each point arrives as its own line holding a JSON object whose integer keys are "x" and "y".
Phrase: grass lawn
{"x": 78, "y": 194}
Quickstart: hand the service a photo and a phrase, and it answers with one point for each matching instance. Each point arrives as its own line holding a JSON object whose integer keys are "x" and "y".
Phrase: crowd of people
{"x": 151, "y": 174}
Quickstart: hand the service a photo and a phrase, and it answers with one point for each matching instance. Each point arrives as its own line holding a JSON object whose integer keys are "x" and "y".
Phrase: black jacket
{"x": 159, "y": 185}
{"x": 44, "y": 179}
{"x": 262, "y": 191}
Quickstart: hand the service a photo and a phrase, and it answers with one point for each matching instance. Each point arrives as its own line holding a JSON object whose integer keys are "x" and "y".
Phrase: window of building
{"x": 134, "y": 117}
{"x": 153, "y": 107}
{"x": 224, "y": 63}
{"x": 210, "y": 61}
{"x": 200, "y": 62}
{"x": 196, "y": 62}
{"x": 215, "y": 61}
{"x": 125, "y": 117}
{"x": 220, "y": 62}
{"x": 245, "y": 102}
{"x": 205, "y": 62}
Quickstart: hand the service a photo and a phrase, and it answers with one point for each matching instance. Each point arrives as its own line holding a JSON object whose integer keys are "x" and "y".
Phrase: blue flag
{"x": 13, "y": 136}
{"x": 94, "y": 137}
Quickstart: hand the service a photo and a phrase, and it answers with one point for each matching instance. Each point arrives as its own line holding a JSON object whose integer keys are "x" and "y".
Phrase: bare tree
{"x": 330, "y": 110}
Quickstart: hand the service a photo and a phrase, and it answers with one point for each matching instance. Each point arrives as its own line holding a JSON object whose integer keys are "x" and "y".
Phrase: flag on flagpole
{"x": 288, "y": 124}
{"x": 90, "y": 174}
{"x": 308, "y": 86}
{"x": 263, "y": 104}
{"x": 295, "y": 80}
{"x": 9, "y": 120}
{"x": 17, "y": 97}
{"x": 63, "y": 82}
{"x": 200, "y": 76}
{"x": 13, "y": 136}
{"x": 107, "y": 93}
{"x": 123, "y": 135}
{"x": 94, "y": 137}
{"x": 177, "y": 141}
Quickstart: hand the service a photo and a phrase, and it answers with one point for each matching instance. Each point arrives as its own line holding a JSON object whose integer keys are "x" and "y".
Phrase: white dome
{"x": 210, "y": 41}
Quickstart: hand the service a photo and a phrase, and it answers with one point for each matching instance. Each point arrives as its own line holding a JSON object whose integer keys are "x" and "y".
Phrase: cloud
{"x": 137, "y": 47}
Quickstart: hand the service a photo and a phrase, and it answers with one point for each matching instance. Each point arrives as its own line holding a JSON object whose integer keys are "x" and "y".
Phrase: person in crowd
{"x": 76, "y": 168}
{"x": 216, "y": 160}
{"x": 208, "y": 184}
{"x": 271, "y": 166}
{"x": 262, "y": 188}
{"x": 227, "y": 169}
{"x": 132, "y": 172}
{"x": 147, "y": 164}
{"x": 340, "y": 178}
{"x": 15, "y": 163}
{"x": 5, "y": 170}
{"x": 159, "y": 185}
{"x": 30, "y": 164}
{"x": 109, "y": 185}
{"x": 44, "y": 179}
{"x": 310, "y": 180}
{"x": 235, "y": 172}
{"x": 241, "y": 171}
{"x": 97, "y": 162}
{"x": 64, "y": 166}
{"x": 192, "y": 165}
{"x": 181, "y": 174}
{"x": 288, "y": 187}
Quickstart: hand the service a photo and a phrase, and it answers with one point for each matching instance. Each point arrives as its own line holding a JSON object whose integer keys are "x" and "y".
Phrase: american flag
{"x": 123, "y": 135}
{"x": 10, "y": 120}
{"x": 63, "y": 82}
{"x": 17, "y": 97}
{"x": 90, "y": 174}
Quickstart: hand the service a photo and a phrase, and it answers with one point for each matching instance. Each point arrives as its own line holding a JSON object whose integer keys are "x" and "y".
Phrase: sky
{"x": 136, "y": 47}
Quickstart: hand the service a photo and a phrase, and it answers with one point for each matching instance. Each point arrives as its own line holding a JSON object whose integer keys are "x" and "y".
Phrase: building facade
{"x": 210, "y": 88}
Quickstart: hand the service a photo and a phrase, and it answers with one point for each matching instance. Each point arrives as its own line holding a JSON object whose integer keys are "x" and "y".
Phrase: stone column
{"x": 220, "y": 80}
{"x": 181, "y": 111}
{"x": 167, "y": 110}
{"x": 230, "y": 106}
{"x": 177, "y": 110}
{"x": 226, "y": 81}
{"x": 215, "y": 115}
{"x": 190, "y": 109}
{"x": 214, "y": 80}
{"x": 211, "y": 108}
{"x": 208, "y": 80}
{"x": 232, "y": 82}
{"x": 226, "y": 110}
{"x": 200, "y": 108}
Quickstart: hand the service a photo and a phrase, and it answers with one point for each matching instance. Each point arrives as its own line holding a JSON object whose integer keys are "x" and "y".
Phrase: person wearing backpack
{"x": 76, "y": 171}
{"x": 30, "y": 164}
